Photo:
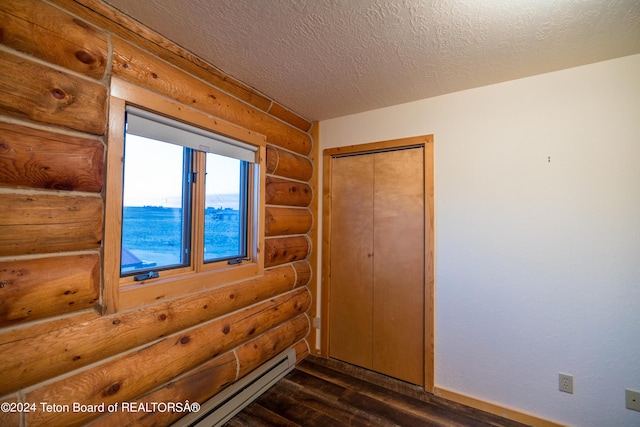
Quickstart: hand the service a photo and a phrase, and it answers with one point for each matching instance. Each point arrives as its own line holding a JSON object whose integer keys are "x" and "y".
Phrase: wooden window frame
{"x": 121, "y": 293}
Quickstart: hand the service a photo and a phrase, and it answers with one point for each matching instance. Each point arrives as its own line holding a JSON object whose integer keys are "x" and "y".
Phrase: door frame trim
{"x": 426, "y": 141}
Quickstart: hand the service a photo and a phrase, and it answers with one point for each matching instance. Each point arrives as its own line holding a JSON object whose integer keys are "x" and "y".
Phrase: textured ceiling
{"x": 329, "y": 58}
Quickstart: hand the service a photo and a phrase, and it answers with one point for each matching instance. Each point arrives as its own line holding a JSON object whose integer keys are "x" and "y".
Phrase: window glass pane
{"x": 225, "y": 208}
{"x": 155, "y": 205}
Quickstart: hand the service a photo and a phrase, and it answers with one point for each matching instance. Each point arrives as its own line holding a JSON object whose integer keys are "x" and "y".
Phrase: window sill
{"x": 154, "y": 290}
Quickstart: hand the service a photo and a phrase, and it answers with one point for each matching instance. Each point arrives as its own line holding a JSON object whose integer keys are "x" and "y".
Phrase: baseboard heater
{"x": 224, "y": 405}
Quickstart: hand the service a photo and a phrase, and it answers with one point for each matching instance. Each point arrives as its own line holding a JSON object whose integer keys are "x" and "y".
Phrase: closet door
{"x": 350, "y": 337}
{"x": 377, "y": 262}
{"x": 398, "y": 268}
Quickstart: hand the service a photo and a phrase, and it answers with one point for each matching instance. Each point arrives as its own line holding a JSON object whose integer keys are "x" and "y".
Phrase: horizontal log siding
{"x": 197, "y": 385}
{"x": 135, "y": 373}
{"x": 46, "y": 223}
{"x": 56, "y": 65}
{"x": 10, "y": 418}
{"x": 47, "y": 160}
{"x": 282, "y": 221}
{"x": 80, "y": 47}
{"x": 108, "y": 18}
{"x": 30, "y": 90}
{"x": 136, "y": 66}
{"x": 287, "y": 164}
{"x": 72, "y": 284}
{"x": 33, "y": 354}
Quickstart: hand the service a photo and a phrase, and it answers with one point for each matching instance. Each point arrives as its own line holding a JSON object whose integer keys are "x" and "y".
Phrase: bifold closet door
{"x": 377, "y": 262}
{"x": 398, "y": 267}
{"x": 351, "y": 309}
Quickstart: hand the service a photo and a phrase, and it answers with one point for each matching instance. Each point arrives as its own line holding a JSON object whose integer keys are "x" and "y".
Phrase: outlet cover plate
{"x": 632, "y": 399}
{"x": 565, "y": 383}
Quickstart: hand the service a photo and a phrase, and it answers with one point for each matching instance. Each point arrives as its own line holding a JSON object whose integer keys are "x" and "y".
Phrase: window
{"x": 156, "y": 226}
{"x": 184, "y": 209}
{"x": 226, "y": 201}
{"x": 162, "y": 177}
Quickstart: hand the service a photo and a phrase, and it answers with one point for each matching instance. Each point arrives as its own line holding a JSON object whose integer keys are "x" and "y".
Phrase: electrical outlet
{"x": 565, "y": 383}
{"x": 632, "y": 399}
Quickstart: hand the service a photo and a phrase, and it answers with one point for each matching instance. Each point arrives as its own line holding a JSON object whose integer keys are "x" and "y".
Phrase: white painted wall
{"x": 537, "y": 261}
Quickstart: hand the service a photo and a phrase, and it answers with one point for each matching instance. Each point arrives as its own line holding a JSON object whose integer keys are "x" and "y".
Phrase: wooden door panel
{"x": 398, "y": 276}
{"x": 350, "y": 332}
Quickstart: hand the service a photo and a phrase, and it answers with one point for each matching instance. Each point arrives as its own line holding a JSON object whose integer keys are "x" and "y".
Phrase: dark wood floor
{"x": 327, "y": 393}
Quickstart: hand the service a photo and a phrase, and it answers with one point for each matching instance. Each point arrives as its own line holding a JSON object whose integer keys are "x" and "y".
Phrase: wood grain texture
{"x": 284, "y": 192}
{"x": 197, "y": 385}
{"x": 152, "y": 349}
{"x": 290, "y": 117}
{"x": 37, "y": 288}
{"x": 287, "y": 164}
{"x": 39, "y": 159}
{"x": 8, "y": 418}
{"x": 257, "y": 351}
{"x": 46, "y": 32}
{"x": 285, "y": 221}
{"x": 425, "y": 141}
{"x": 302, "y": 350}
{"x": 111, "y": 250}
{"x": 282, "y": 250}
{"x": 351, "y": 312}
{"x": 43, "y": 223}
{"x": 321, "y": 392}
{"x": 133, "y": 374}
{"x": 38, "y": 352}
{"x": 51, "y": 327}
{"x": 110, "y": 19}
{"x": 138, "y": 67}
{"x": 398, "y": 265}
{"x": 303, "y": 273}
{"x": 29, "y": 90}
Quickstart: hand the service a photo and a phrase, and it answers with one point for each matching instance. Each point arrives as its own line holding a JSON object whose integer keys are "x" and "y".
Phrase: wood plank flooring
{"x": 327, "y": 393}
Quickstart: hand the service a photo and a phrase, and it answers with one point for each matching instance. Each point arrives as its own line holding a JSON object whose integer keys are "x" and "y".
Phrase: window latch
{"x": 149, "y": 275}
{"x": 237, "y": 260}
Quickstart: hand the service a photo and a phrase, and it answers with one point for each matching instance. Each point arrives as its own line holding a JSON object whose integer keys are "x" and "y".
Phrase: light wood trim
{"x": 495, "y": 409}
{"x": 259, "y": 202}
{"x": 197, "y": 276}
{"x": 313, "y": 236}
{"x": 378, "y": 146}
{"x": 429, "y": 263}
{"x": 197, "y": 212}
{"x": 427, "y": 142}
{"x": 138, "y": 294}
{"x": 145, "y": 98}
{"x": 113, "y": 207}
{"x": 326, "y": 255}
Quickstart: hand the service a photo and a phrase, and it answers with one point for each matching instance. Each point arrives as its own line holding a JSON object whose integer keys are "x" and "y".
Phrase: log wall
{"x": 57, "y": 59}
